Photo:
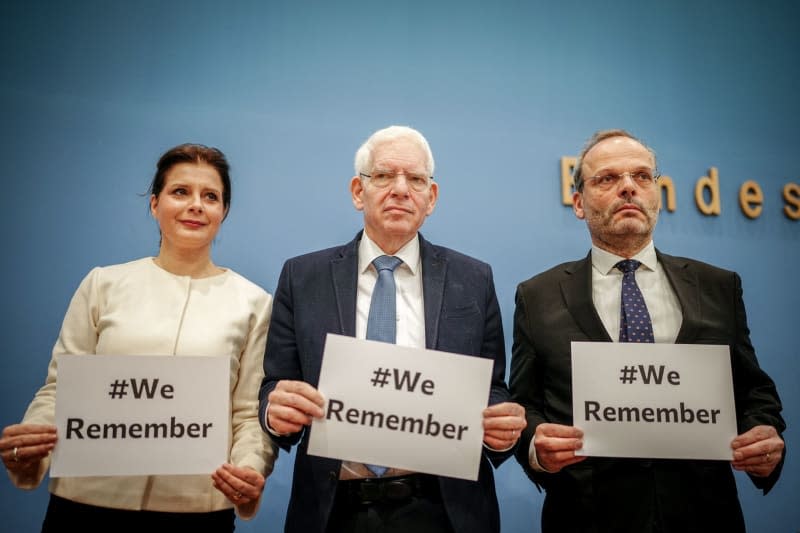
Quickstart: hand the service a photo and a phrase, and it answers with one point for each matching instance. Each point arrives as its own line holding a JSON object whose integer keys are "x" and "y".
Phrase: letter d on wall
{"x": 712, "y": 182}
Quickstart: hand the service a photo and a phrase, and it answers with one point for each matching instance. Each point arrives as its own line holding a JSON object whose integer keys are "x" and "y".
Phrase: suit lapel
{"x": 434, "y": 269}
{"x": 344, "y": 270}
{"x": 576, "y": 289}
{"x": 684, "y": 283}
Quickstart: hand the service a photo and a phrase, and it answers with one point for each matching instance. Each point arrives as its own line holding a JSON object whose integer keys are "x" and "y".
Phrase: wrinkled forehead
{"x": 401, "y": 153}
{"x": 618, "y": 154}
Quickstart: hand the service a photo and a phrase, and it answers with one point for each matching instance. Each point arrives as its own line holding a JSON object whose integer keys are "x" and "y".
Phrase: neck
{"x": 390, "y": 245}
{"x": 625, "y": 247}
{"x": 192, "y": 263}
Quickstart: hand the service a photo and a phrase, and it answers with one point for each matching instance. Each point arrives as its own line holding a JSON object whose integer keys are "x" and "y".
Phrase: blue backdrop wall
{"x": 92, "y": 92}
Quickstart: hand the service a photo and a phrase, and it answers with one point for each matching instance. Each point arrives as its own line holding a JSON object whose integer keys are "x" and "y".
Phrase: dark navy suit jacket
{"x": 316, "y": 295}
{"x": 634, "y": 495}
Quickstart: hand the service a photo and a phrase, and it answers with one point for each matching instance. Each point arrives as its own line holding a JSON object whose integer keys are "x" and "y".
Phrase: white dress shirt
{"x": 659, "y": 296}
{"x": 408, "y": 283}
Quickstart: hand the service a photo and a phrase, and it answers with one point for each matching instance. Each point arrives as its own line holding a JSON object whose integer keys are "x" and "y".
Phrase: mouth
{"x": 192, "y": 223}
{"x": 395, "y": 209}
{"x": 628, "y": 207}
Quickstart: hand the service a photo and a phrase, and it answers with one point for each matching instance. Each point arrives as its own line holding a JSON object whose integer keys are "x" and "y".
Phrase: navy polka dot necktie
{"x": 634, "y": 324}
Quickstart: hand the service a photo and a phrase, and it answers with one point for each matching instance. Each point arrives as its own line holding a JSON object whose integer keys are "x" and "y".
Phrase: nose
{"x": 626, "y": 187}
{"x": 400, "y": 186}
{"x": 196, "y": 203}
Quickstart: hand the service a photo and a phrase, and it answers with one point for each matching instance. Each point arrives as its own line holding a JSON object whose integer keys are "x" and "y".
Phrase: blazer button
{"x": 333, "y": 475}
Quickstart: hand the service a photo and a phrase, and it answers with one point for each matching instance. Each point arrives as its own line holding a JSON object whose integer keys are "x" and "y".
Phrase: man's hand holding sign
{"x": 758, "y": 451}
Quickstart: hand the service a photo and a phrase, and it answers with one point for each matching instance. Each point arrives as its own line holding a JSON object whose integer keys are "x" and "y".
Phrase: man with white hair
{"x": 443, "y": 300}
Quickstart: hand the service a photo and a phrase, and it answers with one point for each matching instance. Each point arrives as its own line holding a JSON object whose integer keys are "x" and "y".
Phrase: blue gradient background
{"x": 92, "y": 92}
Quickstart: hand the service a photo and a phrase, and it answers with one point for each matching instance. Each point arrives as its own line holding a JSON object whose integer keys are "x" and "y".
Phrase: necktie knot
{"x": 628, "y": 265}
{"x": 386, "y": 262}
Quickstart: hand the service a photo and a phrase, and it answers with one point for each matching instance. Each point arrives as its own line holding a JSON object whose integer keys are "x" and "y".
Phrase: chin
{"x": 397, "y": 230}
{"x": 630, "y": 223}
{"x": 193, "y": 243}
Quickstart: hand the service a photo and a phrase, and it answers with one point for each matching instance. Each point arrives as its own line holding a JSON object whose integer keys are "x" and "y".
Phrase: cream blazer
{"x": 137, "y": 308}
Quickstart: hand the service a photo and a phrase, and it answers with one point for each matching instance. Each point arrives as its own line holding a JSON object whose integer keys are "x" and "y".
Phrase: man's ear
{"x": 577, "y": 205}
{"x": 434, "y": 197}
{"x": 356, "y": 190}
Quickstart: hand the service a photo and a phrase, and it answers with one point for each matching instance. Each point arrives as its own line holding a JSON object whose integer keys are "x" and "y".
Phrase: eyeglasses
{"x": 642, "y": 178}
{"x": 381, "y": 180}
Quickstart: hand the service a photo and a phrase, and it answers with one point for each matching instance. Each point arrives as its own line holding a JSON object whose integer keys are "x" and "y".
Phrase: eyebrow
{"x": 614, "y": 170}
{"x": 188, "y": 184}
{"x": 379, "y": 170}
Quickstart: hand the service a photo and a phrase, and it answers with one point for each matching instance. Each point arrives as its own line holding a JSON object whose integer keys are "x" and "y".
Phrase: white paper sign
{"x": 653, "y": 400}
{"x": 141, "y": 415}
{"x": 402, "y": 407}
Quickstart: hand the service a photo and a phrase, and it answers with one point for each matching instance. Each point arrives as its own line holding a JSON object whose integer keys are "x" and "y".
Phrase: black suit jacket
{"x": 316, "y": 295}
{"x": 633, "y": 495}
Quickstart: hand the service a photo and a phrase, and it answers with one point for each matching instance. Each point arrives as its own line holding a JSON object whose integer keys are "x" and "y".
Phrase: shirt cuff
{"x": 266, "y": 425}
{"x": 532, "y": 460}
{"x": 498, "y": 451}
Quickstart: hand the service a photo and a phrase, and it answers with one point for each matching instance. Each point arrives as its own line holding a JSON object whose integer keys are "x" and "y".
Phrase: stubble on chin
{"x": 623, "y": 236}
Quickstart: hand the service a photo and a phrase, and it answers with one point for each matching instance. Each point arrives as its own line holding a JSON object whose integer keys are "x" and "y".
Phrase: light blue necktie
{"x": 382, "y": 320}
{"x": 634, "y": 321}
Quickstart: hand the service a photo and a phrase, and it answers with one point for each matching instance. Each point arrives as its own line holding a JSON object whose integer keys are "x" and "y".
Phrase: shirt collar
{"x": 604, "y": 261}
{"x": 368, "y": 251}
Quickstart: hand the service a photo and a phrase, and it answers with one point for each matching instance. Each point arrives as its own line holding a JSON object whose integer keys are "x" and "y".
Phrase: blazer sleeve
{"x": 524, "y": 382}
{"x": 757, "y": 400}
{"x": 494, "y": 346}
{"x": 281, "y": 357}
{"x": 250, "y": 447}
{"x": 78, "y": 336}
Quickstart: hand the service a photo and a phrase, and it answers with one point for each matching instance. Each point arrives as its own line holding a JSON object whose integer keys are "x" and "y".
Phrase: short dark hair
{"x": 594, "y": 140}
{"x": 193, "y": 153}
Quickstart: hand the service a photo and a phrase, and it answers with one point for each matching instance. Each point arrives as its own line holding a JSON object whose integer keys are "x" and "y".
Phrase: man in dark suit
{"x": 444, "y": 301}
{"x": 689, "y": 302}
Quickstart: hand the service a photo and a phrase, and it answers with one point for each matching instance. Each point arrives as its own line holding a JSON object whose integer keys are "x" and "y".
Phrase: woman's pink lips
{"x": 192, "y": 223}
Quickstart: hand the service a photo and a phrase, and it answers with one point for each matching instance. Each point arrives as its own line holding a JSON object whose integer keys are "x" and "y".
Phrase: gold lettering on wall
{"x": 567, "y": 164}
{"x": 665, "y": 184}
{"x": 751, "y": 199}
{"x": 710, "y": 182}
{"x": 751, "y": 196}
{"x": 791, "y": 195}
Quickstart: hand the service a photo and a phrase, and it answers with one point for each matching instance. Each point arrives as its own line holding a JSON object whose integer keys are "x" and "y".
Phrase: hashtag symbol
{"x": 118, "y": 389}
{"x": 627, "y": 375}
{"x": 381, "y": 377}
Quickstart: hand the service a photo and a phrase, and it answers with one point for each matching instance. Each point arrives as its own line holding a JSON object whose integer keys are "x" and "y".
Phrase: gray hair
{"x": 602, "y": 135}
{"x": 363, "y": 160}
